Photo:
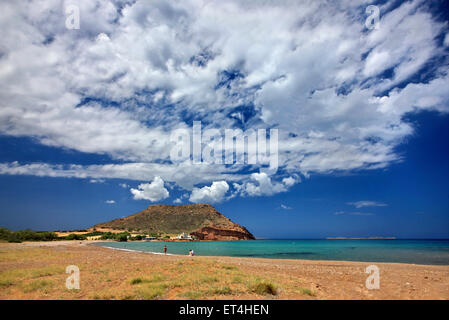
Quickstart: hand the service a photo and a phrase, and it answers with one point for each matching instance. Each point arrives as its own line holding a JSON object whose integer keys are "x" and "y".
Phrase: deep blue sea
{"x": 405, "y": 251}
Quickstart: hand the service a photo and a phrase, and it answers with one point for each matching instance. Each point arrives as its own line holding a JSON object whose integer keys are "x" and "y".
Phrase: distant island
{"x": 197, "y": 221}
{"x": 361, "y": 238}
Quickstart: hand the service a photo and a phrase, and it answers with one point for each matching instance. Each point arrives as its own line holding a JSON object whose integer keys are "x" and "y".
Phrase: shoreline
{"x": 109, "y": 274}
{"x": 98, "y": 243}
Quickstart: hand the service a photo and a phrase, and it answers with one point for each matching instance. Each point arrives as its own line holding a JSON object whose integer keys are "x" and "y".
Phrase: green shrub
{"x": 93, "y": 234}
{"x": 136, "y": 281}
{"x": 14, "y": 239}
{"x": 123, "y": 238}
{"x": 264, "y": 287}
{"x": 5, "y": 283}
{"x": 26, "y": 235}
{"x": 307, "y": 291}
{"x": 74, "y": 236}
{"x": 115, "y": 236}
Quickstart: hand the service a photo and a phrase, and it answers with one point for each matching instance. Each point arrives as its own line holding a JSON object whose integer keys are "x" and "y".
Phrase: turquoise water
{"x": 405, "y": 251}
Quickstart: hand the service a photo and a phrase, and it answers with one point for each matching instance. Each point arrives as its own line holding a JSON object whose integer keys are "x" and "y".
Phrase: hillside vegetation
{"x": 171, "y": 219}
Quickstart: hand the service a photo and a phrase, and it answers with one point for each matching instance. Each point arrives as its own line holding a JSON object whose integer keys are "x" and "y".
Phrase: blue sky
{"x": 86, "y": 115}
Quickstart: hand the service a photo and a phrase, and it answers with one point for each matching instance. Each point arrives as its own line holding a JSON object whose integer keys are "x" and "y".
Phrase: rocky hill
{"x": 201, "y": 220}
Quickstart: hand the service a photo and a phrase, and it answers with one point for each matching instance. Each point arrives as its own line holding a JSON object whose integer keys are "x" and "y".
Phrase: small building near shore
{"x": 184, "y": 236}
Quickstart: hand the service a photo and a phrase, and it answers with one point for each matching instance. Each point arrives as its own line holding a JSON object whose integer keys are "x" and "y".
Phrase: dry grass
{"x": 39, "y": 273}
{"x": 23, "y": 275}
{"x": 263, "y": 287}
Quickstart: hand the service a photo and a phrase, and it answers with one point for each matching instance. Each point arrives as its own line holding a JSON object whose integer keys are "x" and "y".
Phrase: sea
{"x": 427, "y": 252}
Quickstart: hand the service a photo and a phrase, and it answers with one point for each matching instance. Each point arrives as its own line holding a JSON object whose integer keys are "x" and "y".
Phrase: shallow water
{"x": 405, "y": 251}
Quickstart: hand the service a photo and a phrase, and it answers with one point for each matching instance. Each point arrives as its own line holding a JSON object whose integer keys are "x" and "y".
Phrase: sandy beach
{"x": 36, "y": 270}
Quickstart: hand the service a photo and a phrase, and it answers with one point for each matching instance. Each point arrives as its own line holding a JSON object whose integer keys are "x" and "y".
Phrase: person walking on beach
{"x": 165, "y": 249}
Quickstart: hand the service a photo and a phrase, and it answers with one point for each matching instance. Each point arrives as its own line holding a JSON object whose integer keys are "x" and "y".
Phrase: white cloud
{"x": 339, "y": 213}
{"x": 290, "y": 181}
{"x": 186, "y": 175}
{"x": 110, "y": 201}
{"x": 446, "y": 40}
{"x": 215, "y": 193}
{"x": 146, "y": 66}
{"x": 361, "y": 204}
{"x": 124, "y": 185}
{"x": 376, "y": 62}
{"x": 97, "y": 181}
{"x": 153, "y": 191}
{"x": 283, "y": 206}
{"x": 177, "y": 200}
{"x": 262, "y": 185}
{"x": 362, "y": 214}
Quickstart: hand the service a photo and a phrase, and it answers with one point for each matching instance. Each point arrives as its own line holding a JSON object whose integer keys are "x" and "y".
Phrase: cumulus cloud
{"x": 289, "y": 181}
{"x": 215, "y": 193}
{"x": 136, "y": 70}
{"x": 361, "y": 204}
{"x": 110, "y": 201}
{"x": 283, "y": 206}
{"x": 153, "y": 191}
{"x": 261, "y": 184}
